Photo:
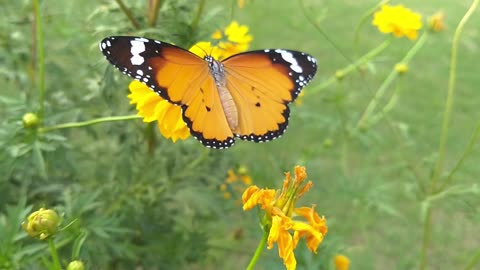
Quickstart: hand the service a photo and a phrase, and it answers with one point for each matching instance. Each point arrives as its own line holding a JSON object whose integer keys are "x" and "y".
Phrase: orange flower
{"x": 280, "y": 218}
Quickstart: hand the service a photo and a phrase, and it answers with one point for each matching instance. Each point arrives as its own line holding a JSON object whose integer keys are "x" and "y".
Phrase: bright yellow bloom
{"x": 233, "y": 40}
{"x": 281, "y": 216}
{"x": 152, "y": 107}
{"x": 398, "y": 20}
{"x": 204, "y": 48}
{"x": 436, "y": 22}
{"x": 42, "y": 223}
{"x": 341, "y": 262}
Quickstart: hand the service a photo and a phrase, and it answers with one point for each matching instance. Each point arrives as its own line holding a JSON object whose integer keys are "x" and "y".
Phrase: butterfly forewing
{"x": 262, "y": 84}
{"x": 178, "y": 76}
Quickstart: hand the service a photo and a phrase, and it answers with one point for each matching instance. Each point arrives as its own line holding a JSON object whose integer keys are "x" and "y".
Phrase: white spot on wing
{"x": 288, "y": 57}
{"x": 138, "y": 47}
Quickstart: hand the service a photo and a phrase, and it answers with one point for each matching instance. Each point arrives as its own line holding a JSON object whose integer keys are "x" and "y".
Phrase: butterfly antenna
{"x": 205, "y": 52}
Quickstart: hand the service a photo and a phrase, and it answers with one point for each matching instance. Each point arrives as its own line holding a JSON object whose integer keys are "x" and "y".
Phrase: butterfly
{"x": 245, "y": 95}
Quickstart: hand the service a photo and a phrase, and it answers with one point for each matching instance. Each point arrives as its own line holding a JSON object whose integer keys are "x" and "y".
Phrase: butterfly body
{"x": 244, "y": 96}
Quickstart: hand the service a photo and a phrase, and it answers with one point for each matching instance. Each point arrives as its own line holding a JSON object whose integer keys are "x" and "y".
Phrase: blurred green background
{"x": 141, "y": 202}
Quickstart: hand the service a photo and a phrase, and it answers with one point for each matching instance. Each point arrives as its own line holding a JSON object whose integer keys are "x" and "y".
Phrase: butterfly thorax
{"x": 230, "y": 109}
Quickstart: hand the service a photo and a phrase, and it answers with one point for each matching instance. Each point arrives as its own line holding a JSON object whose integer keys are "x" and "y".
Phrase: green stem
{"x": 53, "y": 252}
{"x": 196, "y": 19}
{"x": 367, "y": 57}
{"x": 390, "y": 78}
{"x": 323, "y": 33}
{"x": 41, "y": 58}
{"x": 459, "y": 163}
{"x": 88, "y": 123}
{"x": 450, "y": 94}
{"x": 426, "y": 238}
{"x": 365, "y": 17}
{"x": 129, "y": 15}
{"x": 258, "y": 251}
{"x": 474, "y": 261}
{"x": 153, "y": 12}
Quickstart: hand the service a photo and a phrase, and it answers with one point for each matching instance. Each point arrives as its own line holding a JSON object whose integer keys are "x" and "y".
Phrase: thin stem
{"x": 196, "y": 19}
{"x": 426, "y": 238}
{"x": 367, "y": 57}
{"x": 258, "y": 251}
{"x": 390, "y": 78}
{"x": 153, "y": 11}
{"x": 129, "y": 15}
{"x": 466, "y": 153}
{"x": 323, "y": 33}
{"x": 450, "y": 94}
{"x": 366, "y": 16}
{"x": 41, "y": 58}
{"x": 88, "y": 123}
{"x": 474, "y": 261}
{"x": 53, "y": 252}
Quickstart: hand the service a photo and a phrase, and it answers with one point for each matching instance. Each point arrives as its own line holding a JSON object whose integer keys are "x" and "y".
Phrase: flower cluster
{"x": 398, "y": 20}
{"x": 232, "y": 40}
{"x": 280, "y": 220}
{"x": 235, "y": 182}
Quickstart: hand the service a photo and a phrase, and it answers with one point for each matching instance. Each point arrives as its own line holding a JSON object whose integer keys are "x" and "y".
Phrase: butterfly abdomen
{"x": 226, "y": 99}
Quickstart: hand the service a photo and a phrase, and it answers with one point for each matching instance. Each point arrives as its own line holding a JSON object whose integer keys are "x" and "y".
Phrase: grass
{"x": 370, "y": 185}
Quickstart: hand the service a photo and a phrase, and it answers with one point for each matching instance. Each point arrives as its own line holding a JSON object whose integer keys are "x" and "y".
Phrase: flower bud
{"x": 30, "y": 120}
{"x": 436, "y": 22}
{"x": 76, "y": 265}
{"x": 341, "y": 262}
{"x": 42, "y": 223}
{"x": 339, "y": 74}
{"x": 401, "y": 68}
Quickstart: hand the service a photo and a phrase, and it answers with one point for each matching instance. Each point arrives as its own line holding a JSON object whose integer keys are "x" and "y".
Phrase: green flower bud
{"x": 340, "y": 74}
{"x": 42, "y": 223}
{"x": 30, "y": 120}
{"x": 76, "y": 265}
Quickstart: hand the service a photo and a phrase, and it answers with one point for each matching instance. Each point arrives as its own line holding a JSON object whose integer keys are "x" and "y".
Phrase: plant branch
{"x": 88, "y": 123}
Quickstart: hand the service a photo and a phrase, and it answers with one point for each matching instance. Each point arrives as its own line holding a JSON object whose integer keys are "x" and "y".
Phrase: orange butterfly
{"x": 245, "y": 95}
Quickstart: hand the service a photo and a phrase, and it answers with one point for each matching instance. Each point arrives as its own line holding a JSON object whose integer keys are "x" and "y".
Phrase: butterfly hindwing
{"x": 262, "y": 84}
{"x": 178, "y": 76}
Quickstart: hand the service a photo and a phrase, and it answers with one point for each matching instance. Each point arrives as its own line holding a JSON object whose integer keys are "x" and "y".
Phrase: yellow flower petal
{"x": 398, "y": 20}
{"x": 152, "y": 107}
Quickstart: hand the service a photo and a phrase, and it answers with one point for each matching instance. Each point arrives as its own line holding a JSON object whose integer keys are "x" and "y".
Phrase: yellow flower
{"x": 233, "y": 40}
{"x": 241, "y": 3}
{"x": 341, "y": 262}
{"x": 152, "y": 107}
{"x": 232, "y": 185}
{"x": 42, "y": 223}
{"x": 398, "y": 20}
{"x": 280, "y": 218}
{"x": 204, "y": 48}
{"x": 436, "y": 22}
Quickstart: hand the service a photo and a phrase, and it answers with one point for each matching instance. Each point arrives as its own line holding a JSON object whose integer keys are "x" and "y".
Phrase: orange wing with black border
{"x": 178, "y": 76}
{"x": 262, "y": 84}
